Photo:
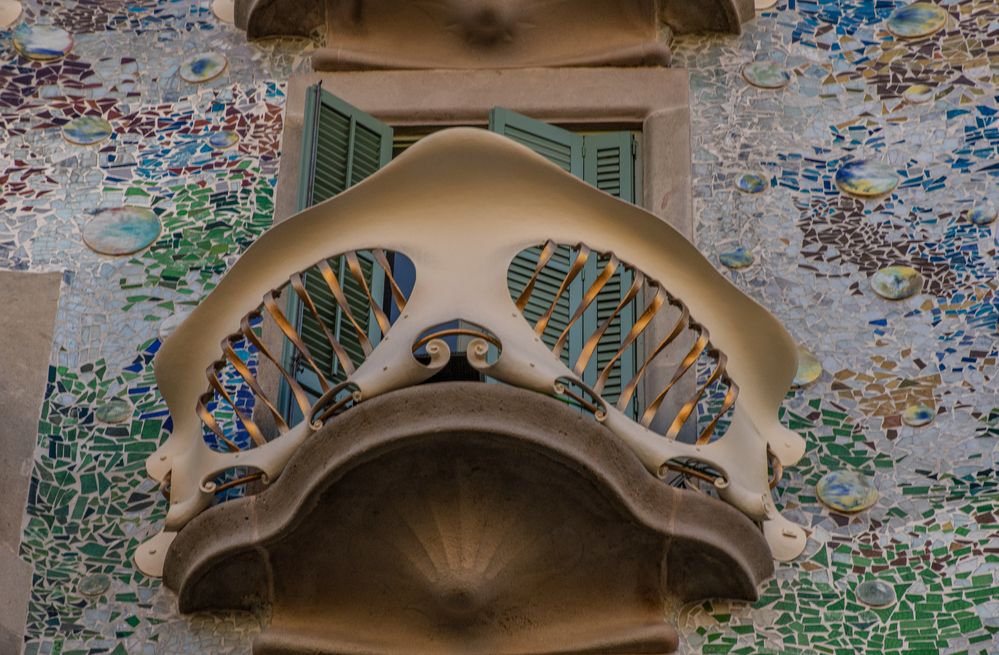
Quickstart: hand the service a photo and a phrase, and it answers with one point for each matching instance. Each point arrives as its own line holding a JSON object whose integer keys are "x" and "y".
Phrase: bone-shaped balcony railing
{"x": 230, "y": 427}
{"x": 466, "y": 208}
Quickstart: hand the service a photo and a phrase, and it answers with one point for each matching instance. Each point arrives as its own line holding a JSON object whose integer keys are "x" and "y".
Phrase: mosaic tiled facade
{"x": 932, "y": 535}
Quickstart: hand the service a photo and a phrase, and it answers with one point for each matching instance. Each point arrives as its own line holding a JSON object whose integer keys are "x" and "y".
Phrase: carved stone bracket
{"x": 466, "y": 518}
{"x": 365, "y": 35}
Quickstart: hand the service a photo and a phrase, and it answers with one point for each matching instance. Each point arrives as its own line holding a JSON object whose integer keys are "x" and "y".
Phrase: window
{"x": 343, "y": 145}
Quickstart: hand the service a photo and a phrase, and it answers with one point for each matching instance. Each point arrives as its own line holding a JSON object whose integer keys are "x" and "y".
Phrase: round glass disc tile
{"x": 738, "y": 258}
{"x": 223, "y": 139}
{"x": 115, "y": 410}
{"x": 897, "y": 282}
{"x": 94, "y": 585}
{"x": 846, "y": 491}
{"x": 121, "y": 231}
{"x": 866, "y": 179}
{"x": 766, "y": 74}
{"x": 917, "y": 20}
{"x": 202, "y": 68}
{"x": 917, "y": 415}
{"x": 750, "y": 182}
{"x": 42, "y": 42}
{"x": 875, "y": 593}
{"x": 809, "y": 368}
{"x": 918, "y": 93}
{"x": 86, "y": 130}
{"x": 981, "y": 215}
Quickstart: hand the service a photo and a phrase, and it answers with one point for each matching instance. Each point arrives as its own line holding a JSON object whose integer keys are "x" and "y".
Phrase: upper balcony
{"x": 461, "y": 34}
{"x": 638, "y": 421}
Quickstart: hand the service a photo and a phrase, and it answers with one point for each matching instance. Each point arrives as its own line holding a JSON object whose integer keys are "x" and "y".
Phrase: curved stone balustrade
{"x": 461, "y": 205}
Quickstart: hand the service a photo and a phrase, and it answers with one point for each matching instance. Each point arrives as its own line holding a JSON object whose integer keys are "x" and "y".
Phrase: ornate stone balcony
{"x": 488, "y": 516}
{"x": 365, "y": 35}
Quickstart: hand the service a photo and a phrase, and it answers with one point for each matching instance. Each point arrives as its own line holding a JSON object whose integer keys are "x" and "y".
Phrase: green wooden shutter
{"x": 607, "y": 161}
{"x": 560, "y": 146}
{"x": 609, "y": 165}
{"x": 565, "y": 149}
{"x": 341, "y": 146}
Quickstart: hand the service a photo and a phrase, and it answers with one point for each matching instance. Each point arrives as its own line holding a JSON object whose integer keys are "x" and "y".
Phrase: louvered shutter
{"x": 607, "y": 161}
{"x": 565, "y": 149}
{"x": 609, "y": 165}
{"x": 341, "y": 146}
{"x": 560, "y": 146}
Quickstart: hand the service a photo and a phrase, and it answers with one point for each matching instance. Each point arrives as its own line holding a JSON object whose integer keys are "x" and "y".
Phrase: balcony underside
{"x": 466, "y": 518}
{"x": 489, "y": 34}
